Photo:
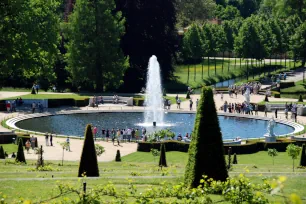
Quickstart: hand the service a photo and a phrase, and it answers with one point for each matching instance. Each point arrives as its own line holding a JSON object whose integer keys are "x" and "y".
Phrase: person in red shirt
{"x": 8, "y": 106}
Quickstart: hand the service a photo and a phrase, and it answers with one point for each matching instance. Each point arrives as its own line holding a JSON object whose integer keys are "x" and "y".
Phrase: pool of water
{"x": 75, "y": 124}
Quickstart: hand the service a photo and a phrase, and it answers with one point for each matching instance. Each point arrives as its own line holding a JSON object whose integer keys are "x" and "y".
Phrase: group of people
{"x": 288, "y": 108}
{"x": 35, "y": 88}
{"x": 118, "y": 135}
{"x": 38, "y": 106}
{"x": 254, "y": 88}
{"x": 31, "y": 144}
{"x": 11, "y": 105}
{"x": 242, "y": 108}
{"x": 187, "y": 137}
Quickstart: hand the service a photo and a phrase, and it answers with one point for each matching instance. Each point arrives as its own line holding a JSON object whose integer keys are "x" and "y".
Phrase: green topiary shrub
{"x": 33, "y": 90}
{"x": 300, "y": 98}
{"x": 2, "y": 155}
{"x": 206, "y": 153}
{"x": 89, "y": 162}
{"x": 188, "y": 95}
{"x": 118, "y": 156}
{"x": 266, "y": 98}
{"x": 162, "y": 156}
{"x": 20, "y": 154}
{"x": 303, "y": 156}
{"x": 235, "y": 161}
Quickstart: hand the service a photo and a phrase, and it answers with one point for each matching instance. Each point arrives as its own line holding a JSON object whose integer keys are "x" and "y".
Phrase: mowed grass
{"x": 18, "y": 181}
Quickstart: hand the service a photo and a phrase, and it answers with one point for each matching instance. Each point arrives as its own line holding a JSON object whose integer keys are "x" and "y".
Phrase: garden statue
{"x": 271, "y": 127}
{"x": 247, "y": 96}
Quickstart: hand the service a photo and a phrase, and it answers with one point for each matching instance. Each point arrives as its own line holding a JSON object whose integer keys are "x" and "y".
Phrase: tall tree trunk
{"x": 247, "y": 69}
{"x": 285, "y": 60}
{"x": 208, "y": 66}
{"x": 240, "y": 64}
{"x": 188, "y": 75}
{"x": 215, "y": 65}
{"x": 202, "y": 68}
{"x": 195, "y": 71}
{"x": 235, "y": 62}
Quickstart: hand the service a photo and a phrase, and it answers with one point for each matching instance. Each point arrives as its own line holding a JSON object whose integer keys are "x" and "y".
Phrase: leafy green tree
{"x": 206, "y": 153}
{"x": 118, "y": 156}
{"x": 293, "y": 151}
{"x": 303, "y": 156}
{"x": 99, "y": 149}
{"x": 150, "y": 30}
{"x": 88, "y": 163}
{"x": 95, "y": 59}
{"x": 20, "y": 152}
{"x": 2, "y": 156}
{"x": 194, "y": 11}
{"x": 29, "y": 35}
{"x": 155, "y": 153}
{"x": 64, "y": 145}
{"x": 298, "y": 43}
{"x": 227, "y": 13}
{"x": 162, "y": 158}
{"x": 272, "y": 153}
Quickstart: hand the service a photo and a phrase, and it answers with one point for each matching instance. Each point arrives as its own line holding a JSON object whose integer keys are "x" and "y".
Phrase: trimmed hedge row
{"x": 2, "y": 106}
{"x": 7, "y": 138}
{"x": 248, "y": 148}
{"x": 287, "y": 84}
{"x": 54, "y": 103}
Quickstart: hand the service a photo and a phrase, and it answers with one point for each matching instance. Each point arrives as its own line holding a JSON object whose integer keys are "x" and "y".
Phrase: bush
{"x": 287, "y": 84}
{"x": 162, "y": 157}
{"x": 2, "y": 156}
{"x": 20, "y": 154}
{"x": 118, "y": 156}
{"x": 266, "y": 99}
{"x": 138, "y": 101}
{"x": 89, "y": 163}
{"x": 206, "y": 153}
{"x": 300, "y": 98}
{"x": 303, "y": 156}
{"x": 235, "y": 161}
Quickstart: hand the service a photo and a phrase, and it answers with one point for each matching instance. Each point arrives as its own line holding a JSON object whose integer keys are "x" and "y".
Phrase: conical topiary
{"x": 162, "y": 156}
{"x": 188, "y": 95}
{"x": 206, "y": 153}
{"x": 303, "y": 156}
{"x": 33, "y": 90}
{"x": 89, "y": 162}
{"x": 266, "y": 98}
{"x": 20, "y": 154}
{"x": 235, "y": 161}
{"x": 300, "y": 98}
{"x": 118, "y": 156}
{"x": 2, "y": 155}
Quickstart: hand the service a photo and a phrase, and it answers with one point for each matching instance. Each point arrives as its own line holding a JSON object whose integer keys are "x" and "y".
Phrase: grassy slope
{"x": 143, "y": 164}
{"x": 299, "y": 87}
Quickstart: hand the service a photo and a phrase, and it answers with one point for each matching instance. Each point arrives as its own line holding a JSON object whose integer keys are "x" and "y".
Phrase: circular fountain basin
{"x": 74, "y": 124}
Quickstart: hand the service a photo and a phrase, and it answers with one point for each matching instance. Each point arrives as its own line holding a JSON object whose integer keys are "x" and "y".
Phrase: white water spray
{"x": 154, "y": 96}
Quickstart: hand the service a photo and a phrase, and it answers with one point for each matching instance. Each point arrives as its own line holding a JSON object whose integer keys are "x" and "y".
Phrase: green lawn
{"x": 255, "y": 166}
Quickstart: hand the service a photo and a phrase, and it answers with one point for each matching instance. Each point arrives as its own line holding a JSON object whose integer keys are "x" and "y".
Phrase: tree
{"x": 303, "y": 156}
{"x": 2, "y": 155}
{"x": 89, "y": 163}
{"x": 95, "y": 59}
{"x": 64, "y": 146}
{"x": 29, "y": 35}
{"x": 298, "y": 43}
{"x": 40, "y": 160}
{"x": 227, "y": 13}
{"x": 194, "y": 11}
{"x": 118, "y": 156}
{"x": 235, "y": 161}
{"x": 155, "y": 153}
{"x": 149, "y": 30}
{"x": 162, "y": 159}
{"x": 300, "y": 98}
{"x": 206, "y": 153}
{"x": 20, "y": 152}
{"x": 293, "y": 151}
{"x": 272, "y": 153}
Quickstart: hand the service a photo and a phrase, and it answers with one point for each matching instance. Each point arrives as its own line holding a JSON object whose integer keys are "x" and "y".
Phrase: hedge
{"x": 286, "y": 84}
{"x": 138, "y": 101}
{"x": 54, "y": 103}
{"x": 249, "y": 148}
{"x": 24, "y": 138}
{"x": 7, "y": 138}
{"x": 2, "y": 105}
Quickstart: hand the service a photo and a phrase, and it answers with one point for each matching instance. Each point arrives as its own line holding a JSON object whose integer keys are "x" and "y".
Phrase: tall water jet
{"x": 154, "y": 96}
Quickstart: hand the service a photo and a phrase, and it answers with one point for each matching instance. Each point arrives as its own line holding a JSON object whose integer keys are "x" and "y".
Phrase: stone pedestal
{"x": 269, "y": 138}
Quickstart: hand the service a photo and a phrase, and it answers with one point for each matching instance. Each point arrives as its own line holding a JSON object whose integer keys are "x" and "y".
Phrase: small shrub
{"x": 135, "y": 173}
{"x": 235, "y": 161}
{"x": 118, "y": 157}
{"x": 44, "y": 168}
{"x": 20, "y": 154}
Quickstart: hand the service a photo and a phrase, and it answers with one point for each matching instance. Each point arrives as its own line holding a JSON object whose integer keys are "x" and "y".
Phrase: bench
{"x": 109, "y": 99}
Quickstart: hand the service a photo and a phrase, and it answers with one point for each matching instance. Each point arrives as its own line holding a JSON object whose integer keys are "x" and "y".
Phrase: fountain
{"x": 154, "y": 95}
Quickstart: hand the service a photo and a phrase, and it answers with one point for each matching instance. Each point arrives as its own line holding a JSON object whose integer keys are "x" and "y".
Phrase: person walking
{"x": 113, "y": 135}
{"x": 286, "y": 113}
{"x": 197, "y": 102}
{"x": 107, "y": 135}
{"x": 47, "y": 139}
{"x": 178, "y": 102}
{"x": 68, "y": 144}
{"x": 51, "y": 139}
{"x": 256, "y": 109}
{"x": 266, "y": 110}
{"x": 33, "y": 107}
{"x": 32, "y": 140}
{"x": 28, "y": 145}
{"x": 190, "y": 104}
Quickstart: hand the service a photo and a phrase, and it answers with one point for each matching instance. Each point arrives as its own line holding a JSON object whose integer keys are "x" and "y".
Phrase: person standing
{"x": 8, "y": 106}
{"x": 95, "y": 131}
{"x": 28, "y": 145}
{"x": 178, "y": 102}
{"x": 103, "y": 133}
{"x": 32, "y": 140}
{"x": 51, "y": 139}
{"x": 107, "y": 135}
{"x": 266, "y": 110}
{"x": 68, "y": 144}
{"x": 256, "y": 109}
{"x": 137, "y": 134}
{"x": 190, "y": 104}
{"x": 133, "y": 133}
{"x": 33, "y": 107}
{"x": 47, "y": 139}
{"x": 286, "y": 113}
{"x": 36, "y": 87}
{"x": 197, "y": 102}
{"x": 276, "y": 113}
{"x": 113, "y": 135}
{"x": 221, "y": 96}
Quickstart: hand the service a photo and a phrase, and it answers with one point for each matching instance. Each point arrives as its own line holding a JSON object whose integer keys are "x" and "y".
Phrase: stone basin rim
{"x": 12, "y": 122}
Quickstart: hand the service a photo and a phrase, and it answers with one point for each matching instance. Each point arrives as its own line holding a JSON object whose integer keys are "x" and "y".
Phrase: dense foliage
{"x": 206, "y": 153}
{"x": 89, "y": 162}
